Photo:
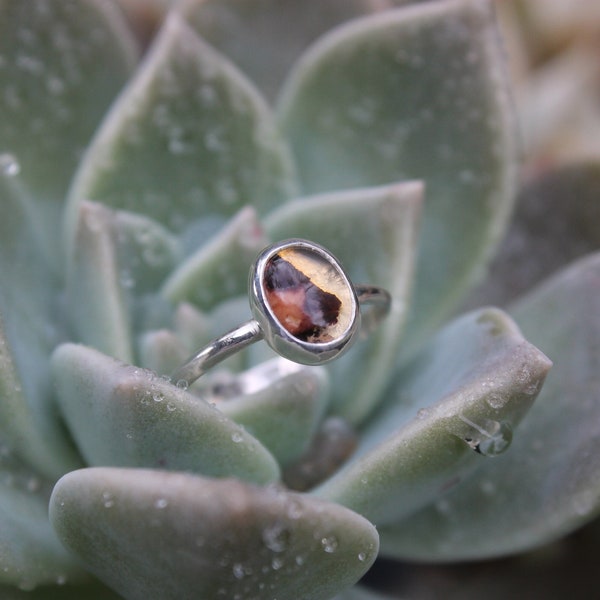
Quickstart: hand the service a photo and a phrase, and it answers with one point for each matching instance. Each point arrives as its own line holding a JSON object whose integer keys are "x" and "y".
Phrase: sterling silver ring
{"x": 304, "y": 306}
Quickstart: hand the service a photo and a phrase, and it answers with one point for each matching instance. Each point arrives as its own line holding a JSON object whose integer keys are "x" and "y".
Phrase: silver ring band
{"x": 304, "y": 306}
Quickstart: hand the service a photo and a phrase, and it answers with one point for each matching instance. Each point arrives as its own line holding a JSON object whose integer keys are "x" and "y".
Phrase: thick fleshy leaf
{"x": 373, "y": 232}
{"x": 277, "y": 31}
{"x": 117, "y": 256}
{"x": 94, "y": 591}
{"x": 62, "y": 65}
{"x": 549, "y": 483}
{"x": 29, "y": 328}
{"x": 188, "y": 143}
{"x": 454, "y": 405}
{"x": 30, "y": 553}
{"x": 97, "y": 296}
{"x": 126, "y": 416}
{"x": 219, "y": 269}
{"x": 556, "y": 221}
{"x": 162, "y": 351}
{"x": 192, "y": 326}
{"x": 280, "y": 403}
{"x": 415, "y": 93}
{"x": 151, "y": 534}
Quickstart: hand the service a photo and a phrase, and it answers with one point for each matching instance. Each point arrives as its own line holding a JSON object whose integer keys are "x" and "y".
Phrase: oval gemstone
{"x": 308, "y": 295}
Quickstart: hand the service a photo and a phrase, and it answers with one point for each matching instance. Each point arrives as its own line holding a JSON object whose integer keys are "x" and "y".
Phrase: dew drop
{"x": 61, "y": 579}
{"x": 329, "y": 543}
{"x": 236, "y": 437}
{"x": 9, "y": 165}
{"x": 108, "y": 499}
{"x": 487, "y": 437}
{"x": 496, "y": 400}
{"x": 500, "y": 438}
{"x": 276, "y": 563}
{"x": 362, "y": 556}
{"x": 423, "y": 413}
{"x": 276, "y": 537}
{"x": 182, "y": 384}
{"x": 238, "y": 571}
{"x": 294, "y": 510}
{"x": 161, "y": 503}
{"x": 584, "y": 503}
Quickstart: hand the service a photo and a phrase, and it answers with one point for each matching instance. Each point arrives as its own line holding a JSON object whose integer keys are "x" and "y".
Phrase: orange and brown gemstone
{"x": 307, "y": 295}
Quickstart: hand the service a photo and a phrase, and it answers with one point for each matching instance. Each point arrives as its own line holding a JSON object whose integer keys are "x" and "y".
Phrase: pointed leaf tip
{"x": 455, "y": 403}
{"x": 126, "y": 416}
{"x": 189, "y": 141}
{"x": 415, "y": 93}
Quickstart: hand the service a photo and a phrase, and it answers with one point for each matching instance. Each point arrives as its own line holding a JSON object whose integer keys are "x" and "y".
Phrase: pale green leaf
{"x": 29, "y": 328}
{"x": 278, "y": 31}
{"x": 62, "y": 65}
{"x": 30, "y": 553}
{"x": 121, "y": 415}
{"x": 415, "y": 93}
{"x": 162, "y": 351}
{"x": 452, "y": 407}
{"x": 219, "y": 268}
{"x": 555, "y": 222}
{"x": 177, "y": 537}
{"x": 98, "y": 297}
{"x": 548, "y": 484}
{"x": 189, "y": 142}
{"x": 280, "y": 403}
{"x": 373, "y": 233}
{"x": 118, "y": 260}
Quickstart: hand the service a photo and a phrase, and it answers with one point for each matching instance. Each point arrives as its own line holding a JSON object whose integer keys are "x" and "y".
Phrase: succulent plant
{"x": 136, "y": 194}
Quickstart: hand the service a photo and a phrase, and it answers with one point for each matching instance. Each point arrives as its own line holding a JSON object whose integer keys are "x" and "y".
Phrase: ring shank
{"x": 218, "y": 350}
{"x": 250, "y": 332}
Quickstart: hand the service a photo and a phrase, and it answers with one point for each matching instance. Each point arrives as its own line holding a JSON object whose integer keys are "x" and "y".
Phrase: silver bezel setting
{"x": 275, "y": 334}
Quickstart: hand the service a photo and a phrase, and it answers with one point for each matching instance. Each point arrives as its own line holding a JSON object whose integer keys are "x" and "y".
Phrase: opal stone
{"x": 308, "y": 295}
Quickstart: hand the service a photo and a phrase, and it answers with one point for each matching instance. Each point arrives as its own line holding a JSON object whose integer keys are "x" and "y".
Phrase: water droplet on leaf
{"x": 161, "y": 503}
{"x": 9, "y": 165}
{"x": 329, "y": 543}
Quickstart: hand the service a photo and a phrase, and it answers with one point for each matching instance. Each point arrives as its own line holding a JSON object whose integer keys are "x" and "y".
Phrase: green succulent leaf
{"x": 98, "y": 297}
{"x": 192, "y": 326}
{"x": 277, "y": 30}
{"x": 555, "y": 222}
{"x": 548, "y": 484}
{"x": 30, "y": 552}
{"x": 454, "y": 404}
{"x": 416, "y": 93}
{"x": 213, "y": 537}
{"x": 162, "y": 351}
{"x": 219, "y": 269}
{"x": 62, "y": 65}
{"x": 125, "y": 416}
{"x": 382, "y": 222}
{"x": 281, "y": 404}
{"x": 118, "y": 258}
{"x": 59, "y": 591}
{"x": 189, "y": 138}
{"x": 29, "y": 328}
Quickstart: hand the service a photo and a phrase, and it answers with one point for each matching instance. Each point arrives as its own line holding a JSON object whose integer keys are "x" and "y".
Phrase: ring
{"x": 304, "y": 306}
